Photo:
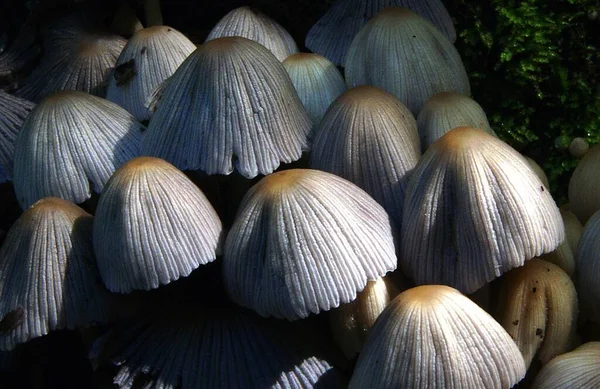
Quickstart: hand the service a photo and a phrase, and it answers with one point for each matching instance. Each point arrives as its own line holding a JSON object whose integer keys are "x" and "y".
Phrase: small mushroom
{"x": 13, "y": 111}
{"x": 588, "y": 268}
{"x": 577, "y": 369}
{"x": 152, "y": 226}
{"x": 305, "y": 241}
{"x": 432, "y": 336}
{"x": 578, "y": 147}
{"x": 584, "y": 186}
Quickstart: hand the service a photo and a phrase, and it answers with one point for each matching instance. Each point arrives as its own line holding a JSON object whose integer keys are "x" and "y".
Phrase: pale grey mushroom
{"x": 577, "y": 369}
{"x": 13, "y": 111}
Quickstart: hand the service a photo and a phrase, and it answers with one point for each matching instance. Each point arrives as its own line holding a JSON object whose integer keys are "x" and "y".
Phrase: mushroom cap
{"x": 317, "y": 81}
{"x": 537, "y": 169}
{"x": 305, "y": 241}
{"x": 577, "y": 369}
{"x": 584, "y": 186}
{"x": 404, "y": 54}
{"x": 150, "y": 57}
{"x": 539, "y": 309}
{"x": 249, "y": 23}
{"x": 432, "y": 336}
{"x": 152, "y": 226}
{"x": 242, "y": 107}
{"x": 70, "y": 144}
{"x": 588, "y": 268}
{"x": 48, "y": 276}
{"x": 13, "y": 111}
{"x": 369, "y": 138}
{"x": 447, "y": 110}
{"x": 474, "y": 209}
{"x": 578, "y": 147}
{"x": 332, "y": 35}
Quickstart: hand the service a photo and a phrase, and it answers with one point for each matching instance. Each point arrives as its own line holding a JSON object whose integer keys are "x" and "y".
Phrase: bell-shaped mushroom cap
{"x": 70, "y": 142}
{"x": 577, "y": 369}
{"x": 588, "y": 268}
{"x": 447, "y": 110}
{"x": 241, "y": 106}
{"x": 406, "y": 55}
{"x": 78, "y": 57}
{"x": 332, "y": 34}
{"x": 151, "y": 56}
{"x": 351, "y": 322}
{"x": 152, "y": 226}
{"x": 370, "y": 138}
{"x": 251, "y": 24}
{"x": 13, "y": 111}
{"x": 305, "y": 241}
{"x": 584, "y": 186}
{"x": 317, "y": 81}
{"x": 48, "y": 275}
{"x": 194, "y": 349}
{"x": 474, "y": 210}
{"x": 564, "y": 255}
{"x": 538, "y": 308}
{"x": 578, "y": 147}
{"x": 434, "y": 337}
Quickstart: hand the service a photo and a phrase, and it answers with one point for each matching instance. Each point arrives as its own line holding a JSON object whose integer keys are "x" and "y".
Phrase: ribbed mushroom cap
{"x": 447, "y": 110}
{"x": 151, "y": 56}
{"x": 249, "y": 23}
{"x": 48, "y": 275}
{"x": 434, "y": 337}
{"x": 192, "y": 349}
{"x": 406, "y": 55}
{"x": 474, "y": 210}
{"x": 78, "y": 57}
{"x": 241, "y": 107}
{"x": 70, "y": 144}
{"x": 370, "y": 138}
{"x": 13, "y": 111}
{"x": 584, "y": 186}
{"x": 21, "y": 51}
{"x": 332, "y": 34}
{"x": 564, "y": 255}
{"x": 152, "y": 226}
{"x": 538, "y": 308}
{"x": 305, "y": 241}
{"x": 577, "y": 369}
{"x": 587, "y": 264}
{"x": 351, "y": 322}
{"x": 317, "y": 81}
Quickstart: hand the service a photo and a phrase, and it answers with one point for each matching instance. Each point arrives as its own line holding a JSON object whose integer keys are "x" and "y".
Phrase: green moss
{"x": 534, "y": 67}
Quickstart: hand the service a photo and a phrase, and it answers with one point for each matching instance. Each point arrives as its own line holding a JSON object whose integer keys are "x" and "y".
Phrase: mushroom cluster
{"x": 223, "y": 211}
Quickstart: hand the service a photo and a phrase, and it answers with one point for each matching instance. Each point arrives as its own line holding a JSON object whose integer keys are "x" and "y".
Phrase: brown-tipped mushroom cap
{"x": 474, "y": 210}
{"x": 539, "y": 310}
{"x": 152, "y": 226}
{"x": 305, "y": 241}
{"x": 434, "y": 337}
{"x": 48, "y": 276}
{"x": 584, "y": 186}
{"x": 242, "y": 109}
{"x": 577, "y": 369}
{"x": 406, "y": 55}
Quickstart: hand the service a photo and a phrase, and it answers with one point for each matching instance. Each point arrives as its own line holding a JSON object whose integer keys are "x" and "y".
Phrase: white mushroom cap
{"x": 577, "y": 369}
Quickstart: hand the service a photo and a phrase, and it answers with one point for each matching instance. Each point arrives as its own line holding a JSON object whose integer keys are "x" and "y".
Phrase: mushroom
{"x": 447, "y": 110}
{"x": 125, "y": 21}
{"x": 241, "y": 108}
{"x": 305, "y": 241}
{"x": 577, "y": 369}
{"x": 332, "y": 34}
{"x": 48, "y": 276}
{"x": 538, "y": 308}
{"x": 578, "y": 147}
{"x": 584, "y": 186}
{"x": 317, "y": 81}
{"x": 406, "y": 55}
{"x": 149, "y": 58}
{"x": 564, "y": 255}
{"x": 22, "y": 51}
{"x": 432, "y": 336}
{"x": 13, "y": 111}
{"x": 588, "y": 269}
{"x": 249, "y": 23}
{"x": 369, "y": 138}
{"x": 152, "y": 226}
{"x": 70, "y": 144}
{"x": 474, "y": 209}
{"x": 537, "y": 169}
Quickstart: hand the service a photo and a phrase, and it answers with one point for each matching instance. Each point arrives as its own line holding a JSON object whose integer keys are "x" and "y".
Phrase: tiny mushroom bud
{"x": 578, "y": 147}
{"x": 152, "y": 226}
{"x": 305, "y": 241}
{"x": 577, "y": 369}
{"x": 474, "y": 209}
{"x": 48, "y": 276}
{"x": 432, "y": 336}
{"x": 538, "y": 308}
{"x": 249, "y": 23}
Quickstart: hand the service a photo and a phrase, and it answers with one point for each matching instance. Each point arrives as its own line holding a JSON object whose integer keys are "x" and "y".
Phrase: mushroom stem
{"x": 153, "y": 13}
